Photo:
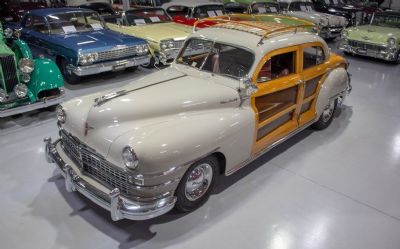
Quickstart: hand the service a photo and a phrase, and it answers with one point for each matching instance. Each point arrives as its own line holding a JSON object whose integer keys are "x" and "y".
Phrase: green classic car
{"x": 164, "y": 36}
{"x": 25, "y": 83}
{"x": 380, "y": 39}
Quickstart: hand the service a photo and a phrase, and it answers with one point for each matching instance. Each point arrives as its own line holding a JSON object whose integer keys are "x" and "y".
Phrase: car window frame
{"x": 308, "y": 45}
{"x": 30, "y": 27}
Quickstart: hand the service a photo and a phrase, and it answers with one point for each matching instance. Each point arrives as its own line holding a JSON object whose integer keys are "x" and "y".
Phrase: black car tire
{"x": 69, "y": 76}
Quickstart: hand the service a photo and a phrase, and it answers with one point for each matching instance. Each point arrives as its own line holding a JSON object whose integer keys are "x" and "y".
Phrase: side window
{"x": 178, "y": 10}
{"x": 37, "y": 23}
{"x": 278, "y": 66}
{"x": 313, "y": 56}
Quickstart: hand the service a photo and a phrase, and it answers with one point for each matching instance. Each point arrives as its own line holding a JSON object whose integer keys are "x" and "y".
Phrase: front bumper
{"x": 330, "y": 32}
{"x": 34, "y": 106}
{"x": 387, "y": 54}
{"x": 119, "y": 207}
{"x": 110, "y": 66}
{"x": 165, "y": 57}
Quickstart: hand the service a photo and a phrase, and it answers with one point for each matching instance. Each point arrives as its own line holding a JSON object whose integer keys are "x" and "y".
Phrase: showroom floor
{"x": 338, "y": 188}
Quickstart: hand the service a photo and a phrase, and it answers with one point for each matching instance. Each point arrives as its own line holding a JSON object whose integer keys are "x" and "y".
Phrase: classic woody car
{"x": 330, "y": 25}
{"x": 26, "y": 84}
{"x": 188, "y": 12}
{"x": 380, "y": 39}
{"x": 164, "y": 36}
{"x": 236, "y": 90}
{"x": 252, "y": 6}
{"x": 80, "y": 42}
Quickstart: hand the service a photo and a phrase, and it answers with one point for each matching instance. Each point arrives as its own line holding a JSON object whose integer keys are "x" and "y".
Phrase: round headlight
{"x": 61, "y": 115}
{"x": 345, "y": 33}
{"x": 26, "y": 65}
{"x": 171, "y": 44}
{"x": 20, "y": 90}
{"x": 3, "y": 96}
{"x": 391, "y": 42}
{"x": 146, "y": 49}
{"x": 163, "y": 45}
{"x": 129, "y": 157}
{"x": 8, "y": 32}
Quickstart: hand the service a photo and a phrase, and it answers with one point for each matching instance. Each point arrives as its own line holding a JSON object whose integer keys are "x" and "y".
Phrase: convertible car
{"x": 164, "y": 36}
{"x": 379, "y": 39}
{"x": 236, "y": 90}
{"x": 80, "y": 42}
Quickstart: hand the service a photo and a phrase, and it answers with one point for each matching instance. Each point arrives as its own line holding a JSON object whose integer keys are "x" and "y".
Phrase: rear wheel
{"x": 196, "y": 185}
{"x": 326, "y": 117}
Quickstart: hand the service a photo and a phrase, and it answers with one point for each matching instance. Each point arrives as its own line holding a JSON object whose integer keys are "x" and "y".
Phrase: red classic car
{"x": 188, "y": 12}
{"x": 14, "y": 10}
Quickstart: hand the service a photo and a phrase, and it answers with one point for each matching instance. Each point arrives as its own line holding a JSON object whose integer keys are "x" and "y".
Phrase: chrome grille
{"x": 10, "y": 76}
{"x": 117, "y": 53}
{"x": 94, "y": 165}
{"x": 367, "y": 46}
{"x": 179, "y": 44}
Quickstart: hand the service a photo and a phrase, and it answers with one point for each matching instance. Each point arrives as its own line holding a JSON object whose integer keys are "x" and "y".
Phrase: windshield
{"x": 147, "y": 16}
{"x": 216, "y": 58}
{"x": 74, "y": 22}
{"x": 262, "y": 8}
{"x": 386, "y": 21}
{"x": 301, "y": 6}
{"x": 332, "y": 2}
{"x": 208, "y": 11}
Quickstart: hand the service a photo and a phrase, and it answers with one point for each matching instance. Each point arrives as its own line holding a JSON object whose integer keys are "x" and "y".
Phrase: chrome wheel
{"x": 328, "y": 111}
{"x": 199, "y": 181}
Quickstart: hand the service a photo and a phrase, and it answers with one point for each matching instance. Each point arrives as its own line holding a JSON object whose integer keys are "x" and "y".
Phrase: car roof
{"x": 190, "y": 3}
{"x": 49, "y": 11}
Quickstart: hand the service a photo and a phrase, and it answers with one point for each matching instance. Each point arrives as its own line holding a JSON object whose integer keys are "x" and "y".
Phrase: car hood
{"x": 96, "y": 41}
{"x": 373, "y": 34}
{"x": 156, "y": 32}
{"x": 316, "y": 17}
{"x": 149, "y": 101}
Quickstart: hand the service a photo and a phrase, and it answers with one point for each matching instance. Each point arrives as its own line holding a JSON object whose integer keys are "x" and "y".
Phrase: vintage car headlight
{"x": 17, "y": 33}
{"x": 344, "y": 34}
{"x": 89, "y": 58}
{"x": 8, "y": 32}
{"x": 391, "y": 42}
{"x": 26, "y": 65}
{"x": 167, "y": 44}
{"x": 129, "y": 157}
{"x": 61, "y": 115}
{"x": 3, "y": 96}
{"x": 142, "y": 49}
{"x": 20, "y": 90}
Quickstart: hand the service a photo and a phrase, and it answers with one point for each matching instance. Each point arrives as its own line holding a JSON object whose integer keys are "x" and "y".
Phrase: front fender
{"x": 46, "y": 76}
{"x": 21, "y": 50}
{"x": 180, "y": 140}
{"x": 335, "y": 85}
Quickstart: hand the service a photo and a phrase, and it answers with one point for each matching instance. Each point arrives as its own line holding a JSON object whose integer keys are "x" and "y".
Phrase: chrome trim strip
{"x": 120, "y": 208}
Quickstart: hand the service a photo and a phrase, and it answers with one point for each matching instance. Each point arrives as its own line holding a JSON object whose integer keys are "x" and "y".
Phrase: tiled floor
{"x": 338, "y": 188}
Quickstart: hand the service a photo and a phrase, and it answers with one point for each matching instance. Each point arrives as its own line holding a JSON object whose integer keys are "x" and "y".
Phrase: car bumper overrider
{"x": 380, "y": 52}
{"x": 110, "y": 66}
{"x": 119, "y": 206}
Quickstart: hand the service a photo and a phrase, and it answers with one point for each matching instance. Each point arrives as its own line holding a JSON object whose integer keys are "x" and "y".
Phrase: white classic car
{"x": 330, "y": 25}
{"x": 236, "y": 90}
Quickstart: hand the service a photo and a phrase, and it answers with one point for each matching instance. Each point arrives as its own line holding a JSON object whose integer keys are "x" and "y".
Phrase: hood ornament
{"x": 87, "y": 128}
{"x": 103, "y": 99}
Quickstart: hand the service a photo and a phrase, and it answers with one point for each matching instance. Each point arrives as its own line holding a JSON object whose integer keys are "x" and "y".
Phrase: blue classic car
{"x": 80, "y": 42}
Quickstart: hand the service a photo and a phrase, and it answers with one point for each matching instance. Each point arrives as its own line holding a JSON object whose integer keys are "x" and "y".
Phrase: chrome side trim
{"x": 119, "y": 207}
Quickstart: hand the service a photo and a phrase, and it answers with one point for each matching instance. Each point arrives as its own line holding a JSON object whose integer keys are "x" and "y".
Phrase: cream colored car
{"x": 236, "y": 90}
{"x": 330, "y": 26}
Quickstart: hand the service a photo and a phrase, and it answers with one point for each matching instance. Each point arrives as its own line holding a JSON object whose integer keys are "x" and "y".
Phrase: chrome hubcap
{"x": 198, "y": 182}
{"x": 328, "y": 111}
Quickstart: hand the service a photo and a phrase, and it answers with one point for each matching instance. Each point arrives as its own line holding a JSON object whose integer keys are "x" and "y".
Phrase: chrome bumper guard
{"x": 384, "y": 55}
{"x": 110, "y": 66}
{"x": 34, "y": 106}
{"x": 119, "y": 207}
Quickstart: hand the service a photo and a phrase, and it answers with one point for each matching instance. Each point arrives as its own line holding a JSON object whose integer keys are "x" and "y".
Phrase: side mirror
{"x": 246, "y": 88}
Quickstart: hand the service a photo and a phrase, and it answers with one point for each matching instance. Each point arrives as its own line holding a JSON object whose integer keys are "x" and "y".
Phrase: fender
{"x": 335, "y": 85}
{"x": 229, "y": 131}
{"x": 21, "y": 50}
{"x": 46, "y": 76}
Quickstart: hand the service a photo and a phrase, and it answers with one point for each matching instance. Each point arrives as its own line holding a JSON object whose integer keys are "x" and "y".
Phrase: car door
{"x": 276, "y": 103}
{"x": 314, "y": 68}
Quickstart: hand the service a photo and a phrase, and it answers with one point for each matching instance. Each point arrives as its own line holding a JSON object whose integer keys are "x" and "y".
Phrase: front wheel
{"x": 69, "y": 76}
{"x": 196, "y": 185}
{"x": 326, "y": 117}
